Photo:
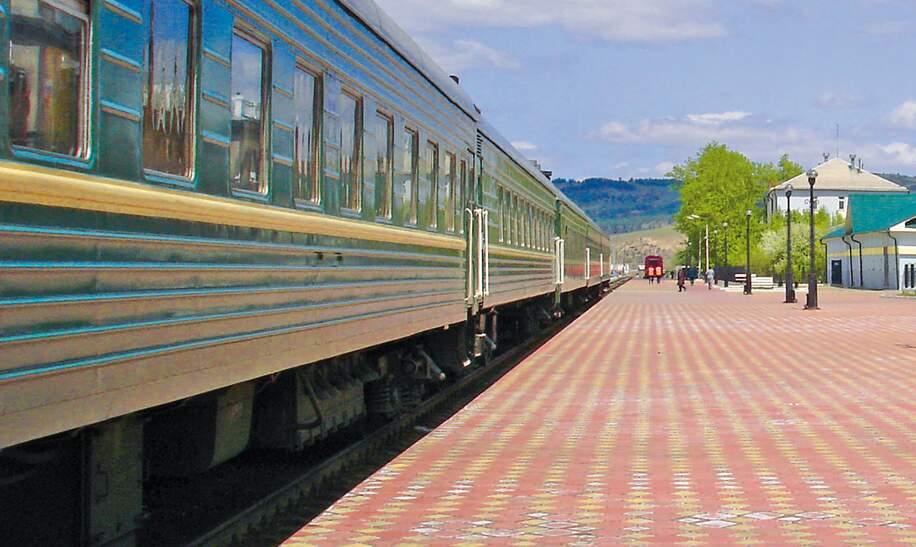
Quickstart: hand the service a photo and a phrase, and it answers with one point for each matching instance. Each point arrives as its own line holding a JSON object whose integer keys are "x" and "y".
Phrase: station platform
{"x": 662, "y": 418}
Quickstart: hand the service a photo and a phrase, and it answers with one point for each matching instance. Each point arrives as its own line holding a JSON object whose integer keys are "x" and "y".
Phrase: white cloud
{"x": 664, "y": 167}
{"x": 905, "y": 115}
{"x": 834, "y": 100}
{"x": 461, "y": 55}
{"x": 614, "y": 20}
{"x": 693, "y": 132}
{"x": 718, "y": 118}
{"x": 524, "y": 146}
{"x": 901, "y": 153}
{"x": 760, "y": 141}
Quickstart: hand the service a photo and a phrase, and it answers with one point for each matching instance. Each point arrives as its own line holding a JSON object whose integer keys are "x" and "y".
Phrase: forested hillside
{"x": 624, "y": 205}
{"x": 902, "y": 180}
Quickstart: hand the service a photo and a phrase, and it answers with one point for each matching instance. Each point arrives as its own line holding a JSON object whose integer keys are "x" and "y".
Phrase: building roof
{"x": 875, "y": 213}
{"x": 837, "y": 174}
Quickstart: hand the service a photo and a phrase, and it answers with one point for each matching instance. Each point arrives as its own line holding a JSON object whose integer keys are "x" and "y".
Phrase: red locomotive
{"x": 655, "y": 267}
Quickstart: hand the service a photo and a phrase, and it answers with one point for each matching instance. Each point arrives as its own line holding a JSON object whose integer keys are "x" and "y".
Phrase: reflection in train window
{"x": 48, "y": 76}
{"x": 428, "y": 194}
{"x": 384, "y": 132}
{"x": 306, "y": 95}
{"x": 350, "y": 153}
{"x": 450, "y": 178}
{"x": 168, "y": 92}
{"x": 246, "y": 151}
{"x": 409, "y": 170}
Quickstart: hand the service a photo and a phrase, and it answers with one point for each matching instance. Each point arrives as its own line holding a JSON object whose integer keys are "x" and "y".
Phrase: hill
{"x": 902, "y": 180}
{"x": 621, "y": 206}
{"x": 633, "y": 247}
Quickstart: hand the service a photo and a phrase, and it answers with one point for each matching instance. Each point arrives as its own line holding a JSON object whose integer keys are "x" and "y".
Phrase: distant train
{"x": 229, "y": 224}
{"x": 654, "y": 267}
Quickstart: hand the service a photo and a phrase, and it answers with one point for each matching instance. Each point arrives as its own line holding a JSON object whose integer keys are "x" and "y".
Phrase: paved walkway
{"x": 697, "y": 418}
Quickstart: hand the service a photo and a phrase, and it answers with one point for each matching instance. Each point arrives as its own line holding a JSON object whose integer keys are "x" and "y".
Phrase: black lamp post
{"x": 812, "y": 268}
{"x": 748, "y": 285}
{"x": 727, "y": 272}
{"x": 790, "y": 282}
{"x": 715, "y": 254}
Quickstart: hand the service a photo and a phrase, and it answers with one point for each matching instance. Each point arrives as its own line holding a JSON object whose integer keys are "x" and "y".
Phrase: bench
{"x": 756, "y": 281}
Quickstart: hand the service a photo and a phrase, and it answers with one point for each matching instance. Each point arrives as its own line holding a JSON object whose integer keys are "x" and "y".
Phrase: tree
{"x": 719, "y": 185}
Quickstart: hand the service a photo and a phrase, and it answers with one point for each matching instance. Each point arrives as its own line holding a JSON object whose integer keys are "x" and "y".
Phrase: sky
{"x": 628, "y": 88}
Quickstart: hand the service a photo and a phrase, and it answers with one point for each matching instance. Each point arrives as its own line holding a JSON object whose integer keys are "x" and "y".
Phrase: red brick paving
{"x": 657, "y": 417}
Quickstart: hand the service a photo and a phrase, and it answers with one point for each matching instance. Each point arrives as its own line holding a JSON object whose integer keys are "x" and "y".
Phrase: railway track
{"x": 274, "y": 517}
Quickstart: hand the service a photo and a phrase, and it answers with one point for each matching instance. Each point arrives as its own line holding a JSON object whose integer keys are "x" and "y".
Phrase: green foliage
{"x": 620, "y": 206}
{"x": 718, "y": 187}
{"x": 773, "y": 244}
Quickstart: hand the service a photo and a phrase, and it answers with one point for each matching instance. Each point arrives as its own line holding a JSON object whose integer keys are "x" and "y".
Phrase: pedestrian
{"x": 681, "y": 280}
{"x": 710, "y": 277}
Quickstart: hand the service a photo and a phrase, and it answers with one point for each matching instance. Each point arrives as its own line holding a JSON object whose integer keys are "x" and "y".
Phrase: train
{"x": 654, "y": 267}
{"x": 228, "y": 225}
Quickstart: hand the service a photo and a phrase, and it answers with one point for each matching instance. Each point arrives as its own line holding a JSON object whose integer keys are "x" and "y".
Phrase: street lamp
{"x": 715, "y": 253}
{"x": 748, "y": 286}
{"x": 790, "y": 282}
{"x": 812, "y": 272}
{"x": 725, "y": 229}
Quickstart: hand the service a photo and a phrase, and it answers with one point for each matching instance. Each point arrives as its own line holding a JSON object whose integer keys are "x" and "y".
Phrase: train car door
{"x": 559, "y": 258}
{"x": 476, "y": 238}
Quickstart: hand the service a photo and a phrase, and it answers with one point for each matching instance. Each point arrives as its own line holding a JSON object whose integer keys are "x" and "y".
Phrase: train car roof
{"x": 490, "y": 132}
{"x": 388, "y": 30}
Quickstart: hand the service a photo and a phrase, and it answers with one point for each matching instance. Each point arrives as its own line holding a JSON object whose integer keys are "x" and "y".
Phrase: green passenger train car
{"x": 213, "y": 210}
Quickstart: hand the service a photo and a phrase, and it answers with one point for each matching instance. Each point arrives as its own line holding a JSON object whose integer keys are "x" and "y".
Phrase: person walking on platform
{"x": 710, "y": 278}
{"x": 681, "y": 280}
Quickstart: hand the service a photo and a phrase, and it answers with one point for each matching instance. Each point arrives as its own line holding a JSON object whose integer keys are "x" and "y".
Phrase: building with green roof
{"x": 876, "y": 247}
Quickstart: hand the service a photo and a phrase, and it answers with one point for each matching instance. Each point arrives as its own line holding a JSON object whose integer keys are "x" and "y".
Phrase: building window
{"x": 384, "y": 132}
{"x": 410, "y": 168}
{"x": 246, "y": 151}
{"x": 167, "y": 91}
{"x": 48, "y": 76}
{"x": 307, "y": 90}
{"x": 432, "y": 182}
{"x": 451, "y": 179}
{"x": 842, "y": 203}
{"x": 350, "y": 153}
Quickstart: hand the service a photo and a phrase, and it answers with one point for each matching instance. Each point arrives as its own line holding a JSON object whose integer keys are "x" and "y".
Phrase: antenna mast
{"x": 837, "y": 140}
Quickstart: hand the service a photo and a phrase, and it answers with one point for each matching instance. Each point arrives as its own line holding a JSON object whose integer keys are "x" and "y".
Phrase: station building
{"x": 836, "y": 180}
{"x": 876, "y": 247}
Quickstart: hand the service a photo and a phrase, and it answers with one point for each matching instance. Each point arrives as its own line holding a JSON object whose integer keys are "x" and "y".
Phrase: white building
{"x": 876, "y": 248}
{"x": 836, "y": 180}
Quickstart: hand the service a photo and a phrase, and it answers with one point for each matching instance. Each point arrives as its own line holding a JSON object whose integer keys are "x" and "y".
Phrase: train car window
{"x": 48, "y": 76}
{"x": 246, "y": 151}
{"x": 499, "y": 212}
{"x": 410, "y": 168}
{"x": 167, "y": 91}
{"x": 432, "y": 182}
{"x": 527, "y": 225}
{"x": 306, "y": 93}
{"x": 451, "y": 176}
{"x": 384, "y": 135}
{"x": 350, "y": 152}
{"x": 459, "y": 201}
{"x": 515, "y": 220}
